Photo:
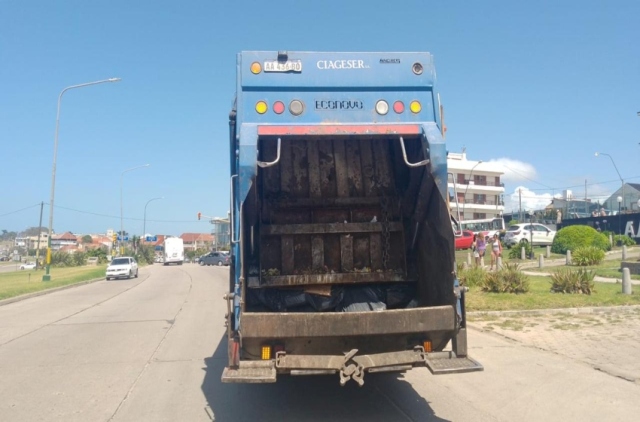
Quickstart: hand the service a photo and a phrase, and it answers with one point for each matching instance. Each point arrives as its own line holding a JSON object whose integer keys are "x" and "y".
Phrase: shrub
{"x": 61, "y": 259}
{"x": 573, "y": 281}
{"x": 78, "y": 259}
{"x": 587, "y": 255}
{"x": 471, "y": 277}
{"x": 623, "y": 239}
{"x": 573, "y": 237}
{"x": 516, "y": 251}
{"x": 507, "y": 280}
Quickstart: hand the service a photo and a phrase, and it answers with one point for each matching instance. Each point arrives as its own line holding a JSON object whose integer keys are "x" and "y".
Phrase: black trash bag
{"x": 293, "y": 298}
{"x": 399, "y": 295}
{"x": 361, "y": 299}
{"x": 326, "y": 303}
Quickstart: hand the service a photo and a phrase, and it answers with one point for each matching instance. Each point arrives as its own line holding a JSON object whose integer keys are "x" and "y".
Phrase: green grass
{"x": 28, "y": 281}
{"x": 539, "y": 297}
{"x": 609, "y": 268}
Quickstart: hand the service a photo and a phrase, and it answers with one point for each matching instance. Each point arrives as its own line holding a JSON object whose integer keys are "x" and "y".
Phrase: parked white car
{"x": 124, "y": 266}
{"x": 28, "y": 266}
{"x": 537, "y": 234}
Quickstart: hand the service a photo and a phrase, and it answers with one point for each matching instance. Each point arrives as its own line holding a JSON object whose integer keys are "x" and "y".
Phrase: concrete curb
{"x": 572, "y": 311}
{"x": 46, "y": 291}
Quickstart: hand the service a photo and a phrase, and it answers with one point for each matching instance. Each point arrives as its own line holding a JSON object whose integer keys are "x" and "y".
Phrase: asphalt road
{"x": 153, "y": 349}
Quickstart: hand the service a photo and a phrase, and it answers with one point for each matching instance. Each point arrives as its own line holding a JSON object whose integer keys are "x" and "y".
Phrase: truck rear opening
{"x": 343, "y": 257}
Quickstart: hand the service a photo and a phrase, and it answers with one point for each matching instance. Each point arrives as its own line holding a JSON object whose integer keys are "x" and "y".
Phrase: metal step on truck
{"x": 342, "y": 244}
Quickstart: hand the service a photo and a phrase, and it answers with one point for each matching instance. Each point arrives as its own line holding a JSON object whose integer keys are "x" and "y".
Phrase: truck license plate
{"x": 288, "y": 66}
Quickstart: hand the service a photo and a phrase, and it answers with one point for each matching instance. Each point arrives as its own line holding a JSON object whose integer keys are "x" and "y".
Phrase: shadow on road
{"x": 384, "y": 397}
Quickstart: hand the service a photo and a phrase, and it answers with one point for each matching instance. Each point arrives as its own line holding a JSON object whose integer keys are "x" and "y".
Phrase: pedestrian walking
{"x": 496, "y": 251}
{"x": 482, "y": 246}
{"x": 474, "y": 249}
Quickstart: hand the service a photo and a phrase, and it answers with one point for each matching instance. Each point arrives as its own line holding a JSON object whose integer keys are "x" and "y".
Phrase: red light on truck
{"x": 278, "y": 107}
{"x": 398, "y": 107}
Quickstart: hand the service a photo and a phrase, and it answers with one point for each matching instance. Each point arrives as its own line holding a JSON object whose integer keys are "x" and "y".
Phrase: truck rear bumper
{"x": 314, "y": 344}
{"x": 348, "y": 366}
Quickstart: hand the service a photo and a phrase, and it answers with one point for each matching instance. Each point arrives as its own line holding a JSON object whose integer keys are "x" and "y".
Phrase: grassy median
{"x": 540, "y": 297}
{"x": 28, "y": 281}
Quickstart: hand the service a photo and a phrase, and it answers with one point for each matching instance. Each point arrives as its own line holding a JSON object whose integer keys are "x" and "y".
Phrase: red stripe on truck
{"x": 340, "y": 130}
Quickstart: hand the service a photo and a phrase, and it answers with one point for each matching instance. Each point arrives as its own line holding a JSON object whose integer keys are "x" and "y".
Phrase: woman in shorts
{"x": 496, "y": 251}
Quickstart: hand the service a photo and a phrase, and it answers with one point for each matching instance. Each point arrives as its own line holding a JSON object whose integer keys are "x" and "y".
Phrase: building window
{"x": 479, "y": 198}
{"x": 479, "y": 215}
{"x": 461, "y": 179}
{"x": 480, "y": 180}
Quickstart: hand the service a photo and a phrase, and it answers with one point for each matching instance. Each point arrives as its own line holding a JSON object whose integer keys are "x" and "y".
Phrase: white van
{"x": 173, "y": 251}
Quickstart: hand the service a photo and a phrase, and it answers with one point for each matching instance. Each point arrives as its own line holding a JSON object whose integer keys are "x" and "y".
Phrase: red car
{"x": 465, "y": 240}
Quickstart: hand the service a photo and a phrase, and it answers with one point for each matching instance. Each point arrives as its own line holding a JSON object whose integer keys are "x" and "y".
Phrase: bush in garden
{"x": 507, "y": 280}
{"x": 516, "y": 251}
{"x": 587, "y": 255}
{"x": 573, "y": 281}
{"x": 61, "y": 259}
{"x": 623, "y": 239}
{"x": 574, "y": 237}
{"x": 471, "y": 277}
{"x": 79, "y": 259}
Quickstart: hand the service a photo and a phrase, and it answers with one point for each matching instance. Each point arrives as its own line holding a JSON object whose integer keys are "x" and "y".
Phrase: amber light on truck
{"x": 427, "y": 346}
{"x": 415, "y": 107}
{"x": 261, "y": 107}
{"x": 256, "y": 68}
{"x": 266, "y": 352}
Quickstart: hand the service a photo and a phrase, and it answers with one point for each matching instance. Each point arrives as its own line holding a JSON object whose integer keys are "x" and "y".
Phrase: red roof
{"x": 196, "y": 237}
{"x": 65, "y": 236}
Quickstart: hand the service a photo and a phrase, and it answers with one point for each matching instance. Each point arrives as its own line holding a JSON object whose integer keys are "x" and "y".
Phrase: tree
{"x": 34, "y": 231}
{"x": 7, "y": 235}
{"x": 87, "y": 239}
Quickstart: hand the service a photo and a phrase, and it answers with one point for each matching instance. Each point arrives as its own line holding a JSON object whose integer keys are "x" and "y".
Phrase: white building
{"x": 477, "y": 186}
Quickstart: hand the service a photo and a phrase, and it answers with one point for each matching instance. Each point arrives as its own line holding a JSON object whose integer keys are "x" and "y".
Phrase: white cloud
{"x": 514, "y": 170}
{"x": 530, "y": 200}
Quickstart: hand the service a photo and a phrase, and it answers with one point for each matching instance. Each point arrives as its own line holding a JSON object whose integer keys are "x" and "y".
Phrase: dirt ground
{"x": 607, "y": 339}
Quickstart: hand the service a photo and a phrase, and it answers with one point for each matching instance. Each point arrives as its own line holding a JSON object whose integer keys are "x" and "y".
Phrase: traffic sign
{"x": 151, "y": 239}
{"x": 126, "y": 238}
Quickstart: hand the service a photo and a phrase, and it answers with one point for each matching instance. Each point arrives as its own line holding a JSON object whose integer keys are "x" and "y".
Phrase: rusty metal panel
{"x": 300, "y": 165}
{"x": 335, "y": 278}
{"x": 346, "y": 253}
{"x": 317, "y": 252}
{"x": 315, "y": 190}
{"x": 287, "y": 254}
{"x": 270, "y": 252}
{"x": 382, "y": 168}
{"x": 361, "y": 255}
{"x": 317, "y": 228}
{"x": 368, "y": 171}
{"x": 327, "y": 169}
{"x": 354, "y": 170}
{"x": 375, "y": 250}
{"x": 342, "y": 179}
{"x": 336, "y": 324}
{"x": 289, "y": 203}
{"x": 286, "y": 167}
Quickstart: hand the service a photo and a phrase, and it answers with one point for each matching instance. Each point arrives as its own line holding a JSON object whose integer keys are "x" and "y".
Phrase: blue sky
{"x": 541, "y": 84}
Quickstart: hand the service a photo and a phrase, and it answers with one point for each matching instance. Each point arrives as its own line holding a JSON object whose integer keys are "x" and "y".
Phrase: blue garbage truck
{"x": 342, "y": 246}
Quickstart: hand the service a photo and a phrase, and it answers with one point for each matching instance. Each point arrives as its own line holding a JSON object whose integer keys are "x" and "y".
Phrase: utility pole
{"x": 586, "y": 208}
{"x": 39, "y": 235}
{"x": 520, "y": 200}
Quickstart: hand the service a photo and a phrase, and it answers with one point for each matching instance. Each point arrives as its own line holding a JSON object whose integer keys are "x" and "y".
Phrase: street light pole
{"x": 121, "y": 237}
{"x": 47, "y": 274}
{"x": 616, "y": 167}
{"x": 464, "y": 200}
{"x": 619, "y": 216}
{"x": 144, "y": 224}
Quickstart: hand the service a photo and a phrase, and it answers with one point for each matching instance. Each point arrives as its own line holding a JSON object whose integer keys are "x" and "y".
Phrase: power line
{"x": 126, "y": 218}
{"x": 22, "y": 209}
